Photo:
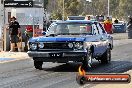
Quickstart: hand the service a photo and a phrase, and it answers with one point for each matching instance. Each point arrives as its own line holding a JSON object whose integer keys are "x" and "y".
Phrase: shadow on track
{"x": 113, "y": 67}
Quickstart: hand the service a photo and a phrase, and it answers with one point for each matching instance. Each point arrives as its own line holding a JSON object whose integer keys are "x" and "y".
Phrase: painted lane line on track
{"x": 6, "y": 59}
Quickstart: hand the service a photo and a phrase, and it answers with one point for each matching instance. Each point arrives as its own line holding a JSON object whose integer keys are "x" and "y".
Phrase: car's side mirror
{"x": 44, "y": 33}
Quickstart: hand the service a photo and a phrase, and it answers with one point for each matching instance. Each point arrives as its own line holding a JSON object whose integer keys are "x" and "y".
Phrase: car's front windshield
{"x": 70, "y": 28}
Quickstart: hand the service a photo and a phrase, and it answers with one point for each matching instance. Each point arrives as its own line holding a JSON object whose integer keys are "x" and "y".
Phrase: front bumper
{"x": 57, "y": 56}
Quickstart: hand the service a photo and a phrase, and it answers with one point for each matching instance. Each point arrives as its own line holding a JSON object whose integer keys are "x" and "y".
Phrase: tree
{"x": 125, "y": 7}
{"x": 72, "y": 7}
{"x": 118, "y": 8}
{"x": 114, "y": 8}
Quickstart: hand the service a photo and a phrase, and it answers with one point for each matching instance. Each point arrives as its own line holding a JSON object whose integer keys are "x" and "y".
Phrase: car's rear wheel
{"x": 106, "y": 57}
{"x": 88, "y": 60}
{"x": 38, "y": 64}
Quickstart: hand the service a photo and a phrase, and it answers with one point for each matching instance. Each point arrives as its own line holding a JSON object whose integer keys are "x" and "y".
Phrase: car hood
{"x": 56, "y": 39}
{"x": 62, "y": 38}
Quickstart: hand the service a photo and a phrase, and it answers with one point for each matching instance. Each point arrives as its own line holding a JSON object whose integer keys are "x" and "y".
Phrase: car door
{"x": 96, "y": 39}
{"x": 102, "y": 33}
{"x": 95, "y": 33}
{"x": 103, "y": 38}
{"x": 106, "y": 36}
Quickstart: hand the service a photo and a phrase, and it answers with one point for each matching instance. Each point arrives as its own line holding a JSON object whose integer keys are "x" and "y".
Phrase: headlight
{"x": 70, "y": 45}
{"x": 78, "y": 45}
{"x": 33, "y": 46}
{"x": 41, "y": 45}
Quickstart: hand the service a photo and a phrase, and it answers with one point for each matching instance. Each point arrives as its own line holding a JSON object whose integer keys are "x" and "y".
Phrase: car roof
{"x": 78, "y": 21}
{"x": 76, "y": 16}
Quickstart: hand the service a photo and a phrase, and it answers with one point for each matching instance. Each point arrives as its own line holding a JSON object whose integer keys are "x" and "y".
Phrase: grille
{"x": 56, "y": 46}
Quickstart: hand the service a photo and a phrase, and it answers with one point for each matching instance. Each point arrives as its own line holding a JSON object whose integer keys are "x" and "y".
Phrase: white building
{"x": 1, "y": 16}
{"x": 26, "y": 16}
{"x": 32, "y": 16}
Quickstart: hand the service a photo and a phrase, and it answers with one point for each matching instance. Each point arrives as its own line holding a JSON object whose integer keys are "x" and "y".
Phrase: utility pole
{"x": 108, "y": 7}
{"x": 63, "y": 10}
{"x": 90, "y": 1}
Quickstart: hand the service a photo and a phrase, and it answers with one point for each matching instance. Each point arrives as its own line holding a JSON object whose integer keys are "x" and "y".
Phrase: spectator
{"x": 44, "y": 25}
{"x": 88, "y": 18}
{"x": 29, "y": 28}
{"x": 48, "y": 24}
{"x": 108, "y": 25}
{"x": 14, "y": 33}
{"x": 129, "y": 28}
{"x": 116, "y": 21}
{"x": 25, "y": 38}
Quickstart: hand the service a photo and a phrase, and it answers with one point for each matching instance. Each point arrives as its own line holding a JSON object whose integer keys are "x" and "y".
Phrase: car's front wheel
{"x": 106, "y": 57}
{"x": 38, "y": 64}
{"x": 88, "y": 60}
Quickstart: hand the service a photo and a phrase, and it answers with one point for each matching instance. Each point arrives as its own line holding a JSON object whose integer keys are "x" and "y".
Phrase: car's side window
{"x": 95, "y": 30}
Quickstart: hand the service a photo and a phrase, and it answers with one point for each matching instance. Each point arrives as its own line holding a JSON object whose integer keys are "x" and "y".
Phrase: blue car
{"x": 72, "y": 41}
{"x": 119, "y": 27}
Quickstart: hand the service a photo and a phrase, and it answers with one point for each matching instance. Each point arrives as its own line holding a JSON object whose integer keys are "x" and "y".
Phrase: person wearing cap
{"x": 14, "y": 33}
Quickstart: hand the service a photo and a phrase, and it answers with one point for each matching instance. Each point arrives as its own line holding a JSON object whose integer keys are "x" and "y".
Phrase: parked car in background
{"x": 73, "y": 40}
{"x": 119, "y": 27}
{"x": 76, "y": 18}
